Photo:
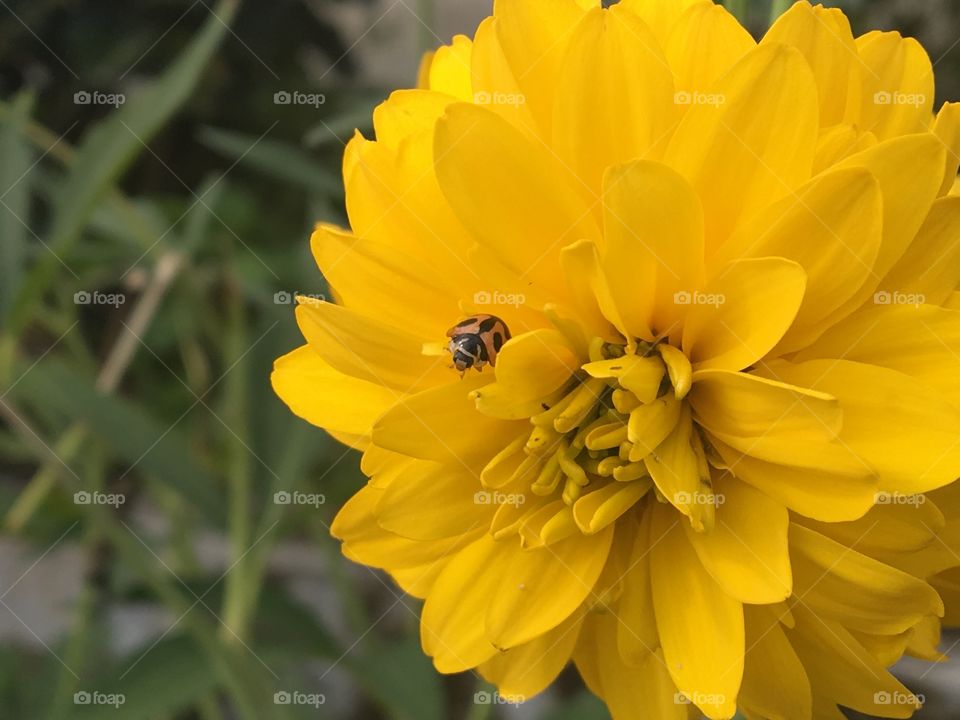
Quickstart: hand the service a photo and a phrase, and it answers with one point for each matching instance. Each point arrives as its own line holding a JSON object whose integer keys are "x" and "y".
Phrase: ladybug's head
{"x": 468, "y": 351}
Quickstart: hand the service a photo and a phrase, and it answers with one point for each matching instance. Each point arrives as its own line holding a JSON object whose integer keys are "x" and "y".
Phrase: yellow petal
{"x": 660, "y": 15}
{"x": 595, "y": 510}
{"x": 653, "y": 235}
{"x": 701, "y": 627}
{"x": 637, "y": 636}
{"x": 852, "y": 490}
{"x": 922, "y": 341}
{"x": 423, "y": 71}
{"x": 365, "y": 542}
{"x": 495, "y": 84}
{"x": 853, "y": 678}
{"x": 924, "y": 639}
{"x": 602, "y": 115}
{"x": 705, "y": 43}
{"x": 534, "y": 37}
{"x": 405, "y": 113}
{"x": 947, "y": 129}
{"x": 408, "y": 507}
{"x": 906, "y": 432}
{"x": 651, "y": 424}
{"x": 887, "y": 649}
{"x": 824, "y": 37}
{"x": 392, "y": 197}
{"x": 449, "y": 628}
{"x": 369, "y": 349}
{"x": 838, "y": 142}
{"x": 443, "y": 424}
{"x": 897, "y": 85}
{"x": 894, "y": 524}
{"x": 376, "y": 279}
{"x": 930, "y": 267}
{"x": 640, "y": 375}
{"x": 418, "y": 581}
{"x": 746, "y": 550}
{"x": 742, "y": 313}
{"x": 530, "y": 369}
{"x": 769, "y": 420}
{"x": 756, "y": 146}
{"x": 675, "y": 468}
{"x": 450, "y": 69}
{"x": 323, "y": 396}
{"x": 775, "y": 684}
{"x": 590, "y": 297}
{"x": 542, "y": 587}
{"x": 678, "y": 368}
{"x": 909, "y": 170}
{"x": 864, "y": 594}
{"x": 631, "y": 692}
{"x": 526, "y": 670}
{"x": 839, "y": 216}
{"x": 526, "y": 236}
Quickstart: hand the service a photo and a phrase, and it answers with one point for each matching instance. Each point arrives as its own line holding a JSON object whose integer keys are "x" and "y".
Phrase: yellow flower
{"x": 714, "y": 462}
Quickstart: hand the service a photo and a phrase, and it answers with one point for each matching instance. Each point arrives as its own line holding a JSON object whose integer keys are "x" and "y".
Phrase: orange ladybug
{"x": 475, "y": 342}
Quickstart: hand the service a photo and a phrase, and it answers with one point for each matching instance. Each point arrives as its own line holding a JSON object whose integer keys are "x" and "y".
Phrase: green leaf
{"x": 286, "y": 625}
{"x": 169, "y": 678}
{"x": 275, "y": 158}
{"x": 153, "y": 447}
{"x": 112, "y": 145}
{"x": 14, "y": 199}
{"x": 402, "y": 679}
{"x": 582, "y": 705}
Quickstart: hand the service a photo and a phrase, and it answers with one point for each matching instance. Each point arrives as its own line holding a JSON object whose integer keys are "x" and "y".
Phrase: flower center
{"x": 620, "y": 429}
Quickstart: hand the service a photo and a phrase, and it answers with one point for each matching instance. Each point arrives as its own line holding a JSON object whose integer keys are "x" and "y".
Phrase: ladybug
{"x": 474, "y": 342}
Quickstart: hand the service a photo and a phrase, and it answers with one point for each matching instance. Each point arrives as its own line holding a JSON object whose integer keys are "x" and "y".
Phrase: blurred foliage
{"x": 192, "y": 201}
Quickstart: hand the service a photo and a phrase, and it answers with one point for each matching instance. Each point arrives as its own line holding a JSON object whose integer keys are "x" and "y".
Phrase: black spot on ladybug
{"x": 464, "y": 323}
{"x": 497, "y": 341}
{"x": 488, "y": 324}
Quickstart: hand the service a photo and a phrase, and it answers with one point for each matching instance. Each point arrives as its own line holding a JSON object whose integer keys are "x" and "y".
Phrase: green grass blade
{"x": 112, "y": 145}
{"x": 17, "y": 157}
{"x": 153, "y": 447}
{"x": 275, "y": 158}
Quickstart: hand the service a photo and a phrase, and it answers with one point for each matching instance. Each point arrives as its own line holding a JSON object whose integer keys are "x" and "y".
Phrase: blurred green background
{"x": 156, "y": 196}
